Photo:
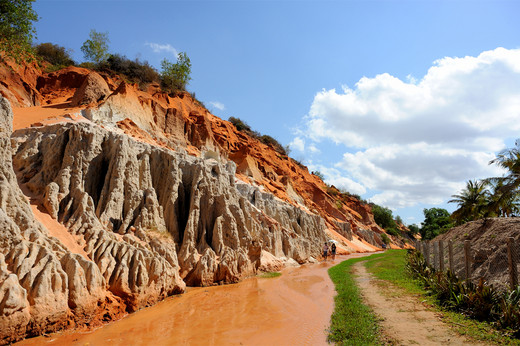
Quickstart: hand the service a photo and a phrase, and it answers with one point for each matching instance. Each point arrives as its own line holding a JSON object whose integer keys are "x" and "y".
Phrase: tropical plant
{"x": 175, "y": 76}
{"x": 16, "y": 28}
{"x": 507, "y": 187}
{"x": 472, "y": 201}
{"x": 502, "y": 201}
{"x": 95, "y": 49}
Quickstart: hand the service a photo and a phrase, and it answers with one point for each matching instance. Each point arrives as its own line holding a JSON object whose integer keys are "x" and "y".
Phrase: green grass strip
{"x": 352, "y": 322}
{"x": 391, "y": 266}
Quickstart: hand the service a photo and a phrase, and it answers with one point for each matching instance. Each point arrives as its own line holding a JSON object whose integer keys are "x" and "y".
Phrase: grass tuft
{"x": 270, "y": 275}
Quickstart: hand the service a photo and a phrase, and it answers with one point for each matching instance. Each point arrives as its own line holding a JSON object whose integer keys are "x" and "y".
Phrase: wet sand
{"x": 293, "y": 309}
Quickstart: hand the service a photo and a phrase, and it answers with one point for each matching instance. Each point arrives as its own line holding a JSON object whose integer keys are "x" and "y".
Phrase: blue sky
{"x": 399, "y": 101}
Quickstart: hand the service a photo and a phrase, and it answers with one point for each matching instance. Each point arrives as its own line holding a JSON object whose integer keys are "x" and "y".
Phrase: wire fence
{"x": 496, "y": 263}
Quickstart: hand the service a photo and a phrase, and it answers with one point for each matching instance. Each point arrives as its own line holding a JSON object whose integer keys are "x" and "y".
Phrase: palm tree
{"x": 503, "y": 202}
{"x": 507, "y": 188}
{"x": 472, "y": 201}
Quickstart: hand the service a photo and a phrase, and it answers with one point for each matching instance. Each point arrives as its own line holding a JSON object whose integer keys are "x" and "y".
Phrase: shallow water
{"x": 293, "y": 309}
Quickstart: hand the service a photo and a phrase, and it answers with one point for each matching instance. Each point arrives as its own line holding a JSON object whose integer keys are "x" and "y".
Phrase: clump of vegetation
{"x": 385, "y": 219}
{"x": 331, "y": 190}
{"x": 385, "y": 238}
{"x": 319, "y": 175}
{"x": 16, "y": 29}
{"x": 95, "y": 48}
{"x": 175, "y": 76}
{"x": 56, "y": 55}
{"x": 134, "y": 70}
{"x": 273, "y": 143}
{"x": 436, "y": 221}
{"x": 480, "y": 302}
{"x": 414, "y": 229}
{"x": 242, "y": 126}
{"x": 269, "y": 275}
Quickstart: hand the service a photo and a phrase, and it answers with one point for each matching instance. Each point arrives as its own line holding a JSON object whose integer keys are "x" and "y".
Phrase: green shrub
{"x": 273, "y": 143}
{"x": 54, "y": 54}
{"x": 175, "y": 76}
{"x": 331, "y": 190}
{"x": 240, "y": 125}
{"x": 319, "y": 175}
{"x": 414, "y": 229}
{"x": 436, "y": 221}
{"x": 95, "y": 49}
{"x": 134, "y": 70}
{"x": 16, "y": 29}
{"x": 385, "y": 238}
{"x": 383, "y": 217}
{"x": 393, "y": 231}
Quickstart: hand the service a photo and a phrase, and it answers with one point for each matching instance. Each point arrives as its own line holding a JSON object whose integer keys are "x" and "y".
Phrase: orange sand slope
{"x": 45, "y": 115}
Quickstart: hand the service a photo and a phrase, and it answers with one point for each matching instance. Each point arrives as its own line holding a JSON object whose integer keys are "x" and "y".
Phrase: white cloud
{"x": 218, "y": 105}
{"x": 417, "y": 141}
{"x": 159, "y": 48}
{"x": 297, "y": 144}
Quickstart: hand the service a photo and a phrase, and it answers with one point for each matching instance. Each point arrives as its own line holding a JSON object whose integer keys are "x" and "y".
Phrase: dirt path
{"x": 405, "y": 321}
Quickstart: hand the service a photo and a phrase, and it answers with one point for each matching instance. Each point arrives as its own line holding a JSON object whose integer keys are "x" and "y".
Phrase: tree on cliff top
{"x": 175, "y": 76}
{"x": 16, "y": 28}
{"x": 95, "y": 49}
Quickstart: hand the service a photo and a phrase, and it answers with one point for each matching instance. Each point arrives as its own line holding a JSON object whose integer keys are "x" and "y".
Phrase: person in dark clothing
{"x": 325, "y": 250}
{"x": 333, "y": 251}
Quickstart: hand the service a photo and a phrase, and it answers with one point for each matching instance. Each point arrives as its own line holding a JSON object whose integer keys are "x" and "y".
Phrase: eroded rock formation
{"x": 149, "y": 220}
{"x": 43, "y": 286}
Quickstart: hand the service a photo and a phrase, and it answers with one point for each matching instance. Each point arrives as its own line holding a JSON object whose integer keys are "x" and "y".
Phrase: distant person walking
{"x": 333, "y": 251}
{"x": 325, "y": 250}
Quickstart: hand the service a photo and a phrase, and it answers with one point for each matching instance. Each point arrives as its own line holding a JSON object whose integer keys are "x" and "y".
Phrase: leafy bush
{"x": 54, "y": 54}
{"x": 273, "y": 143}
{"x": 436, "y": 221}
{"x": 16, "y": 28}
{"x": 135, "y": 70}
{"x": 393, "y": 231}
{"x": 242, "y": 126}
{"x": 175, "y": 76}
{"x": 414, "y": 229}
{"x": 331, "y": 190}
{"x": 383, "y": 217}
{"x": 385, "y": 238}
{"x": 319, "y": 175}
{"x": 95, "y": 49}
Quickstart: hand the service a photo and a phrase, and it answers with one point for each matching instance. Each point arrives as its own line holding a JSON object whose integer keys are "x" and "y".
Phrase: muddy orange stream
{"x": 293, "y": 309}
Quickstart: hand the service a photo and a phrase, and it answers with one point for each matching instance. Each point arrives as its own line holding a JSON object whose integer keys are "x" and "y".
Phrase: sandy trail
{"x": 405, "y": 321}
{"x": 293, "y": 309}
